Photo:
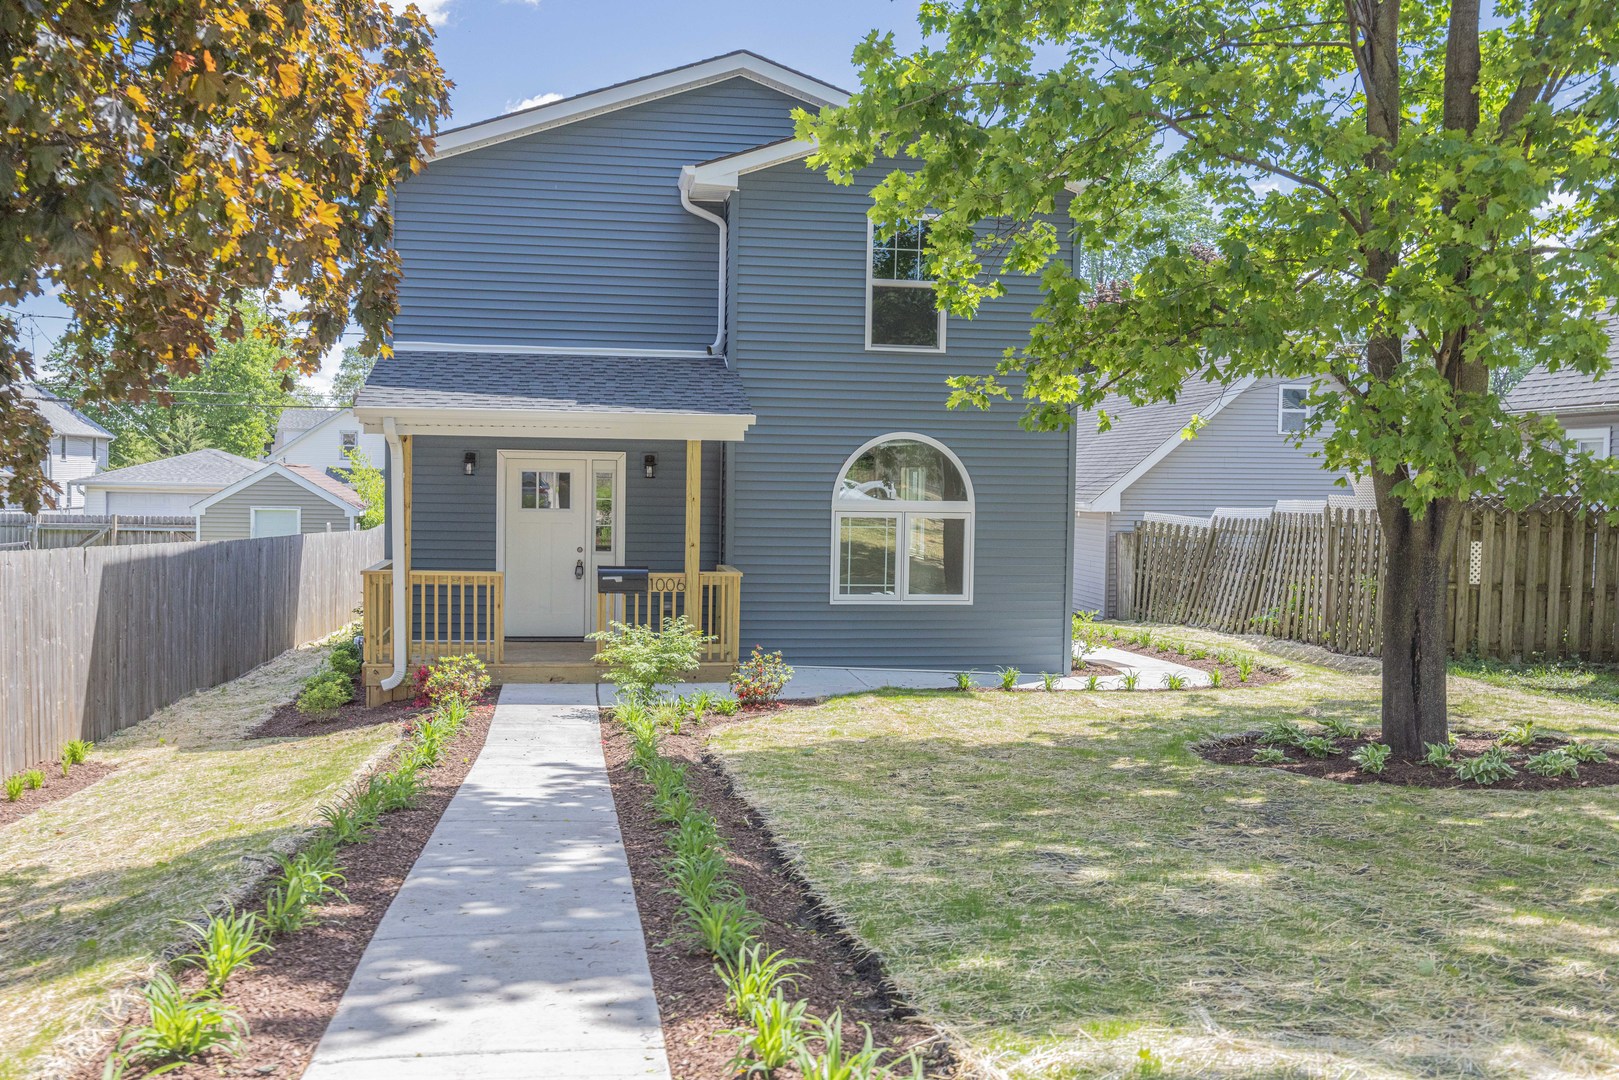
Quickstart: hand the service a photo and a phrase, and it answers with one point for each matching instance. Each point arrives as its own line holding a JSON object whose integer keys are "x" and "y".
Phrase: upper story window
{"x": 901, "y": 312}
{"x": 902, "y": 525}
{"x": 1293, "y": 408}
{"x": 64, "y": 448}
{"x": 351, "y": 442}
{"x": 1594, "y": 441}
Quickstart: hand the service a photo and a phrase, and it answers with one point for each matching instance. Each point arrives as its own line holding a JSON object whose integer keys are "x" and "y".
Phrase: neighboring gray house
{"x": 1587, "y": 408}
{"x": 166, "y": 487}
{"x": 1242, "y": 458}
{"x": 79, "y": 446}
{"x": 635, "y": 329}
{"x": 278, "y": 500}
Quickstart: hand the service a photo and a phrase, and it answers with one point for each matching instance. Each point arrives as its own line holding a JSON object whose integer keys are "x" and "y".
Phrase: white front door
{"x": 546, "y": 504}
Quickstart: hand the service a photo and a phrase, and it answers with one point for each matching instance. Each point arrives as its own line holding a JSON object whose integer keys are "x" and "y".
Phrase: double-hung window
{"x": 901, "y": 310}
{"x": 1594, "y": 441}
{"x": 902, "y": 525}
{"x": 1293, "y": 408}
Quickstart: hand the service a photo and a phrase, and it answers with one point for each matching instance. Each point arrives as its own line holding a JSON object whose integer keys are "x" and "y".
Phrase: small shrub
{"x": 1585, "y": 753}
{"x": 964, "y": 680}
{"x": 1316, "y": 746}
{"x": 14, "y": 787}
{"x": 1372, "y": 758}
{"x": 1269, "y": 755}
{"x": 774, "y": 1036}
{"x": 344, "y": 659}
{"x": 1174, "y": 681}
{"x": 1131, "y": 680}
{"x": 1520, "y": 734}
{"x": 1215, "y": 679}
{"x": 1558, "y": 762}
{"x": 1436, "y": 755}
{"x": 182, "y": 1028}
{"x": 726, "y": 706}
{"x": 35, "y": 778}
{"x": 1341, "y": 729}
{"x": 454, "y": 678}
{"x": 1086, "y": 632}
{"x": 760, "y": 678}
{"x": 324, "y": 692}
{"x": 227, "y": 945}
{"x": 1282, "y": 733}
{"x": 639, "y": 660}
{"x": 753, "y": 977}
{"x": 1490, "y": 767}
{"x": 1093, "y": 682}
{"x": 1009, "y": 677}
{"x": 77, "y": 750}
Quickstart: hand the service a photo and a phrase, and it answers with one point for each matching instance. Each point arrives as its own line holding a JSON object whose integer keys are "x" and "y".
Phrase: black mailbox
{"x": 621, "y": 579}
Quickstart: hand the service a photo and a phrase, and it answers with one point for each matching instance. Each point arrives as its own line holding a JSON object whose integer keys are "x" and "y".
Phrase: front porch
{"x": 452, "y": 612}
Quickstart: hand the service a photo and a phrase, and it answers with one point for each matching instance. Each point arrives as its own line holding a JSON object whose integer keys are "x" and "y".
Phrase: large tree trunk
{"x": 1415, "y": 647}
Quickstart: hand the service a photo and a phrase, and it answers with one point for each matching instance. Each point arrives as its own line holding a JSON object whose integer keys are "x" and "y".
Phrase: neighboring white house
{"x": 167, "y": 487}
{"x": 323, "y": 438}
{"x": 79, "y": 446}
{"x": 278, "y": 500}
{"x": 1242, "y": 459}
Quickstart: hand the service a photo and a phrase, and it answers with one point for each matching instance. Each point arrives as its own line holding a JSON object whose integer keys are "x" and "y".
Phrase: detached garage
{"x": 164, "y": 488}
{"x": 279, "y": 500}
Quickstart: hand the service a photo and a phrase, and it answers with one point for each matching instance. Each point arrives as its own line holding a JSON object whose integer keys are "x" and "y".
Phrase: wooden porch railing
{"x": 716, "y": 610}
{"x": 453, "y": 612}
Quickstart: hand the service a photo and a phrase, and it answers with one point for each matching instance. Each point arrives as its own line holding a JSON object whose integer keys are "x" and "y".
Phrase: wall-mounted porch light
{"x": 649, "y": 465}
{"x": 469, "y": 463}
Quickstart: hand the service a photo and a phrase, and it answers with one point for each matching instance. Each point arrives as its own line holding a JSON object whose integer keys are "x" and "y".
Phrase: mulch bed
{"x": 834, "y": 972}
{"x": 291, "y": 994}
{"x": 1239, "y": 750}
{"x": 56, "y": 786}
{"x": 1261, "y": 675}
{"x": 288, "y": 721}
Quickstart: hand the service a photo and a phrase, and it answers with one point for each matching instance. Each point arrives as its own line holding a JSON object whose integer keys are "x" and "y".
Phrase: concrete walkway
{"x": 513, "y": 950}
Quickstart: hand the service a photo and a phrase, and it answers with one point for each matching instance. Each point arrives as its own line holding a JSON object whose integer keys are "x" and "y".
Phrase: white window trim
{"x": 1282, "y": 410}
{"x": 903, "y": 511}
{"x": 253, "y": 520}
{"x": 871, "y": 239}
{"x": 343, "y": 437}
{"x": 1600, "y": 434}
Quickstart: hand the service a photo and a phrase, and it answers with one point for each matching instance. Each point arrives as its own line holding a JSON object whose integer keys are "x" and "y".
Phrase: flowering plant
{"x": 461, "y": 678}
{"x": 760, "y": 678}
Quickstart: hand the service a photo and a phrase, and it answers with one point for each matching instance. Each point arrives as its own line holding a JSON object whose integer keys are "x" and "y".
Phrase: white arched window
{"x": 902, "y": 525}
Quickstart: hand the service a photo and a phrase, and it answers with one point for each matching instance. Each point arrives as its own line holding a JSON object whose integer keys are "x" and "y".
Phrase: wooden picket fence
{"x": 21, "y": 531}
{"x": 1539, "y": 582}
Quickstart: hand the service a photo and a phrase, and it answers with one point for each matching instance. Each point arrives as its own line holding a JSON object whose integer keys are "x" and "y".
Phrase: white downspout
{"x": 687, "y": 176}
{"x": 396, "y": 526}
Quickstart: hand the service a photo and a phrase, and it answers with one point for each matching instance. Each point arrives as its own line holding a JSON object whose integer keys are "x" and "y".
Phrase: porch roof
{"x": 546, "y": 392}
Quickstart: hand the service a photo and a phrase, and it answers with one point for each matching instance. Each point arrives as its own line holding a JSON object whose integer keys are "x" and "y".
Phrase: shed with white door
{"x": 279, "y": 500}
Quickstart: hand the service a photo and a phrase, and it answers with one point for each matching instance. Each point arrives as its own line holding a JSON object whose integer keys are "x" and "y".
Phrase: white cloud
{"x": 531, "y": 102}
{"x": 437, "y": 12}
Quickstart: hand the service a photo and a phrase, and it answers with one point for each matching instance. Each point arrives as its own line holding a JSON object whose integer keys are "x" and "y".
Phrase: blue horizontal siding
{"x": 576, "y": 236}
{"x": 798, "y": 340}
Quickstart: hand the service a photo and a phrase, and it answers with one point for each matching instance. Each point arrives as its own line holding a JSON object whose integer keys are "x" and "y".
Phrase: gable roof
{"x": 739, "y": 64}
{"x": 327, "y": 416}
{"x": 1566, "y": 389}
{"x": 63, "y": 418}
{"x": 313, "y": 480}
{"x": 204, "y": 470}
{"x": 296, "y": 421}
{"x": 1108, "y": 462}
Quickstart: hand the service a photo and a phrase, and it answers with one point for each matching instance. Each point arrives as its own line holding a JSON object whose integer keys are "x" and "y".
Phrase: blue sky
{"x": 501, "y": 53}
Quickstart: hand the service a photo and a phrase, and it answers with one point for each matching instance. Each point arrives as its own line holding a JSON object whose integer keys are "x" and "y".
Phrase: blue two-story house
{"x": 635, "y": 330}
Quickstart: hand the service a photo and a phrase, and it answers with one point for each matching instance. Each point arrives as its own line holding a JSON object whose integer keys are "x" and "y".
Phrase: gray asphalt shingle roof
{"x": 1548, "y": 391}
{"x": 63, "y": 418}
{"x": 200, "y": 468}
{"x": 1104, "y": 457}
{"x": 569, "y": 383}
{"x": 297, "y": 421}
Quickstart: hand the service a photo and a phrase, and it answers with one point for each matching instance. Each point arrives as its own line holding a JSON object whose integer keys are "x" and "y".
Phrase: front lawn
{"x": 1062, "y": 881}
{"x": 91, "y": 885}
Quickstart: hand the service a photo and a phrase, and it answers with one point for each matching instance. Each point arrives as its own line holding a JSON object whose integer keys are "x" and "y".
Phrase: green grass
{"x": 1064, "y": 883}
{"x": 1565, "y": 678}
{"x": 91, "y": 885}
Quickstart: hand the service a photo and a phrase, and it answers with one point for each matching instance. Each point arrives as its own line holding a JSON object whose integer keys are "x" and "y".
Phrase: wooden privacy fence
{"x": 93, "y": 640}
{"x": 1539, "y": 582}
{"x": 19, "y": 531}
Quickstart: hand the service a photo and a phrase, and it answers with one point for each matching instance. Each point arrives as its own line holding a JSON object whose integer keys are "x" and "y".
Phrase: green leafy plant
{"x": 1131, "y": 680}
{"x": 397, "y": 790}
{"x": 1215, "y": 678}
{"x": 1490, "y": 767}
{"x": 226, "y": 945}
{"x": 452, "y": 678}
{"x": 1282, "y": 733}
{"x": 1316, "y": 746}
{"x": 180, "y": 1027}
{"x": 1093, "y": 682}
{"x": 1173, "y": 680}
{"x": 774, "y": 1035}
{"x": 1372, "y": 757}
{"x": 77, "y": 750}
{"x": 35, "y": 778}
{"x": 669, "y": 715}
{"x": 701, "y": 703}
{"x": 1339, "y": 728}
{"x": 66, "y": 762}
{"x": 346, "y": 823}
{"x": 344, "y": 658}
{"x": 722, "y": 926}
{"x": 964, "y": 680}
{"x": 1009, "y": 677}
{"x": 1245, "y": 667}
{"x": 306, "y": 879}
{"x": 324, "y": 692}
{"x": 1269, "y": 755}
{"x": 1048, "y": 681}
{"x": 640, "y": 660}
{"x": 726, "y": 706}
{"x": 14, "y": 787}
{"x": 1436, "y": 755}
{"x": 1520, "y": 734}
{"x": 836, "y": 1062}
{"x": 753, "y": 976}
{"x": 760, "y": 679}
{"x": 1584, "y": 753}
{"x": 1555, "y": 762}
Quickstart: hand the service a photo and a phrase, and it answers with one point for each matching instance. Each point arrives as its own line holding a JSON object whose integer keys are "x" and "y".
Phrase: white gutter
{"x": 687, "y": 176}
{"x": 396, "y": 520}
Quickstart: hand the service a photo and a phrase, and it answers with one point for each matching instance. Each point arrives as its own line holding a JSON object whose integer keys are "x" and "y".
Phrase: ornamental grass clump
{"x": 180, "y": 1028}
{"x": 227, "y": 944}
{"x": 14, "y": 787}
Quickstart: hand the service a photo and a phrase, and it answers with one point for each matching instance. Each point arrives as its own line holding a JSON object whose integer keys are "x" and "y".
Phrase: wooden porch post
{"x": 694, "y": 532}
{"x": 402, "y": 562}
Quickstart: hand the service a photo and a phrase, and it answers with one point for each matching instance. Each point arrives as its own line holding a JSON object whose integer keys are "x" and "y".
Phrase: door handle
{"x": 579, "y": 570}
